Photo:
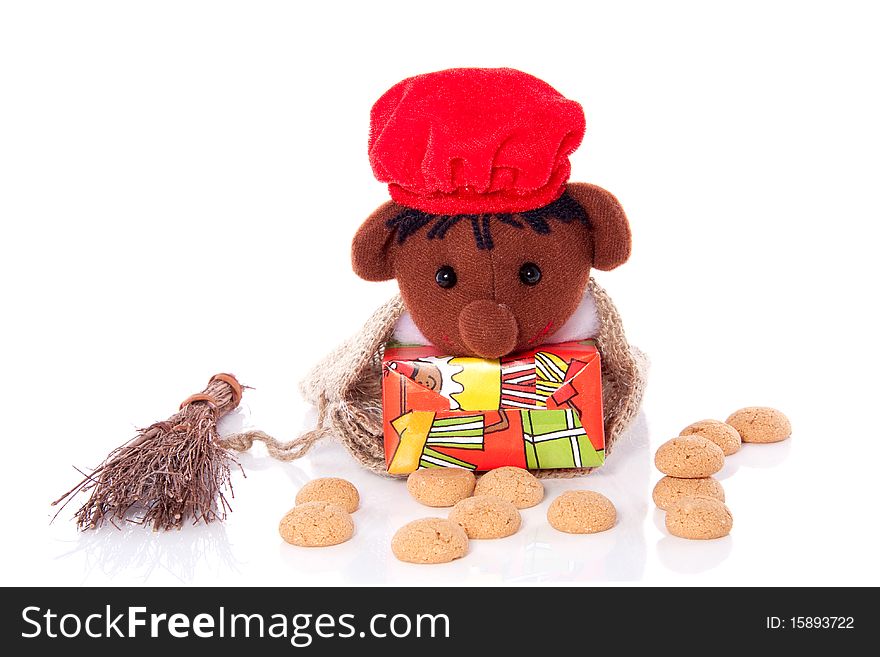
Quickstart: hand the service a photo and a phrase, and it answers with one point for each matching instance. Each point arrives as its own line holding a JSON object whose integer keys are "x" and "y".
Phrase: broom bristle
{"x": 170, "y": 473}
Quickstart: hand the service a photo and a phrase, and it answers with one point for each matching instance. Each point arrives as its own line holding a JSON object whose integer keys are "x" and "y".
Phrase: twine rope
{"x": 282, "y": 451}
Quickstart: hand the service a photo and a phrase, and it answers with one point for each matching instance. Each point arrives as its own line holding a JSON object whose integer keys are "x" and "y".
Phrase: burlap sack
{"x": 346, "y": 387}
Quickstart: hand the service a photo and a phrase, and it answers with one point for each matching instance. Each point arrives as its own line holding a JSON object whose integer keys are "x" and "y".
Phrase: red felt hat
{"x": 474, "y": 141}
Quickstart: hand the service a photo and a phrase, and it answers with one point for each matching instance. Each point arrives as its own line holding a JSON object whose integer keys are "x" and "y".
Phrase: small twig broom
{"x": 170, "y": 473}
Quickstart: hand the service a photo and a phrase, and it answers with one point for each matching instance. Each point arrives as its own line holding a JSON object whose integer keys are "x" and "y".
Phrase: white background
{"x": 180, "y": 181}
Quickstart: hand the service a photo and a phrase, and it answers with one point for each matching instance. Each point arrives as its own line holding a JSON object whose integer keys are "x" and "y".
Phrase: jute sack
{"x": 346, "y": 388}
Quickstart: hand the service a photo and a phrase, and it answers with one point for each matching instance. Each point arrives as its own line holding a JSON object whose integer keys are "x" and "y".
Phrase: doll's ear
{"x": 612, "y": 241}
{"x": 371, "y": 249}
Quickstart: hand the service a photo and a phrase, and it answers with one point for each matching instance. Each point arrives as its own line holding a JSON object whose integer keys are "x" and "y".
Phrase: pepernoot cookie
{"x": 316, "y": 524}
{"x": 330, "y": 489}
{"x": 700, "y": 518}
{"x": 760, "y": 424}
{"x": 582, "y": 512}
{"x": 430, "y": 540}
{"x": 670, "y": 489}
{"x": 689, "y": 457}
{"x": 720, "y": 433}
{"x": 440, "y": 486}
{"x": 519, "y": 487}
{"x": 486, "y": 516}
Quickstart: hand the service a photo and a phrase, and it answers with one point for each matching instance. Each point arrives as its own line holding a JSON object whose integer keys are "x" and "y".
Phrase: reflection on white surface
{"x": 755, "y": 456}
{"x": 763, "y": 456}
{"x": 136, "y": 552}
{"x": 693, "y": 557}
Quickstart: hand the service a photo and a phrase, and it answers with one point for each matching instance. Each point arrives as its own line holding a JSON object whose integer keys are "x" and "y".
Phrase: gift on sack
{"x": 538, "y": 409}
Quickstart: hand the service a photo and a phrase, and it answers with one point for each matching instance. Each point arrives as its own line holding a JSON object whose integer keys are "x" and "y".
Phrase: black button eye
{"x": 530, "y": 273}
{"x": 446, "y": 277}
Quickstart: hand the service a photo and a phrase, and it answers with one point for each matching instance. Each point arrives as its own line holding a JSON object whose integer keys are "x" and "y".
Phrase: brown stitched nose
{"x": 488, "y": 329}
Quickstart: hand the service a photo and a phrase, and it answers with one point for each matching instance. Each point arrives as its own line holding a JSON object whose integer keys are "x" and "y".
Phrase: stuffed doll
{"x": 492, "y": 248}
{"x": 489, "y": 242}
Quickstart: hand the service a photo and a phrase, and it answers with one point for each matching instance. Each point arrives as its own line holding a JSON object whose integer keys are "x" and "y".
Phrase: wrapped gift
{"x": 540, "y": 408}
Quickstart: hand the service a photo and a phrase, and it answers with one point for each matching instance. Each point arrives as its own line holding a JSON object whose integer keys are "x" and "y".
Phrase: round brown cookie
{"x": 519, "y": 487}
{"x": 316, "y": 524}
{"x": 430, "y": 540}
{"x": 670, "y": 489}
{"x": 582, "y": 512}
{"x": 689, "y": 457}
{"x": 486, "y": 516}
{"x": 330, "y": 489}
{"x": 723, "y": 435}
{"x": 698, "y": 518}
{"x": 760, "y": 424}
{"x": 440, "y": 486}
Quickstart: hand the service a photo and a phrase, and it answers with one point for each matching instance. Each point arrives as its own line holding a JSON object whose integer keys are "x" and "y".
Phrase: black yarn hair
{"x": 410, "y": 221}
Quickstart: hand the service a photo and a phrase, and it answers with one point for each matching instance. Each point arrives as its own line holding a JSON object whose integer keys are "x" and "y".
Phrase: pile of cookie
{"x": 487, "y": 508}
{"x": 483, "y": 508}
{"x": 693, "y": 499}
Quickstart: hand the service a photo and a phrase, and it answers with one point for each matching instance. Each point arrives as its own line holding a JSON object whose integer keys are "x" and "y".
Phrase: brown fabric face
{"x": 490, "y": 311}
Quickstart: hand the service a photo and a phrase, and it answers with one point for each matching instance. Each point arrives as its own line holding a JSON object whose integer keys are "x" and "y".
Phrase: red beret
{"x": 474, "y": 141}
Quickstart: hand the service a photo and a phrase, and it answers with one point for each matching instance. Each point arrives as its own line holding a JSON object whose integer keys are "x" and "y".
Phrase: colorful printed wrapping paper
{"x": 537, "y": 409}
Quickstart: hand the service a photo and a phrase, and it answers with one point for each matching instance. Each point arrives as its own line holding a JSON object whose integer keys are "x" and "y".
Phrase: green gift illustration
{"x": 557, "y": 439}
